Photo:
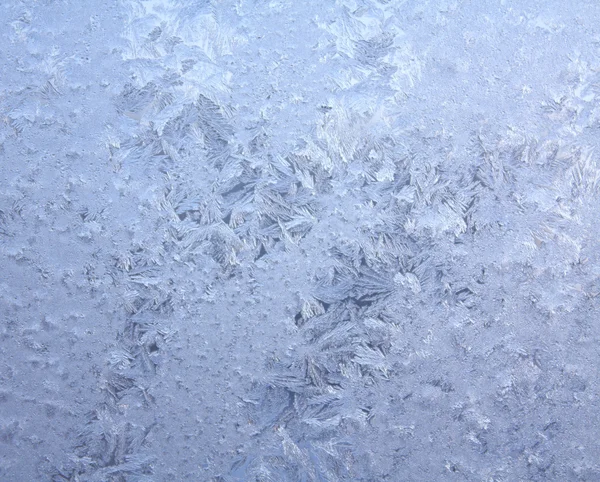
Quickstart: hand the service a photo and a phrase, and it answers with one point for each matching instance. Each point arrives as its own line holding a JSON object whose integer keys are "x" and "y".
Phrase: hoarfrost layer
{"x": 270, "y": 241}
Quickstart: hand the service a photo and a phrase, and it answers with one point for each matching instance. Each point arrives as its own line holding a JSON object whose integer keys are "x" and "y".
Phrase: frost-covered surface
{"x": 252, "y": 240}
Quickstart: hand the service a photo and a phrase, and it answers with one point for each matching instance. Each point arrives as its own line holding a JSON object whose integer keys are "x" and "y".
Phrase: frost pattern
{"x": 242, "y": 255}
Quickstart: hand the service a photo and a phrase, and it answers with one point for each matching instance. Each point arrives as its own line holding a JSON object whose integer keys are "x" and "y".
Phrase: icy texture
{"x": 253, "y": 240}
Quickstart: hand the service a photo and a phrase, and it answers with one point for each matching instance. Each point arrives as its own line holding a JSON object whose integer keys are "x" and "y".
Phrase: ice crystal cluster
{"x": 279, "y": 240}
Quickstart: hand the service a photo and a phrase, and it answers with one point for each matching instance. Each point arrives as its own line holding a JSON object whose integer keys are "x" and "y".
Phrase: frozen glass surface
{"x": 277, "y": 240}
